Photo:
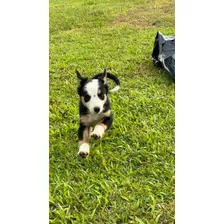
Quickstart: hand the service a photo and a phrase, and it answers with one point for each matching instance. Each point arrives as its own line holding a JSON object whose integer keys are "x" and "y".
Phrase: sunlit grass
{"x": 129, "y": 175}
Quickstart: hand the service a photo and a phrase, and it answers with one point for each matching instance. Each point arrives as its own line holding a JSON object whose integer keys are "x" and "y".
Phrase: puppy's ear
{"x": 104, "y": 76}
{"x": 80, "y": 78}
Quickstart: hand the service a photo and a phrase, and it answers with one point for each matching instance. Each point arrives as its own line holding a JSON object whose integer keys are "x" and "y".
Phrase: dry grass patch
{"x": 149, "y": 16}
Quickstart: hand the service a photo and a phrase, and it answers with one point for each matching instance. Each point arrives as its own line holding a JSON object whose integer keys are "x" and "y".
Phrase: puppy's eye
{"x": 101, "y": 96}
{"x": 86, "y": 98}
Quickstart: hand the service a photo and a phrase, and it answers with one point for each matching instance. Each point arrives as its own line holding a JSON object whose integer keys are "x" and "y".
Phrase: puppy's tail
{"x": 116, "y": 80}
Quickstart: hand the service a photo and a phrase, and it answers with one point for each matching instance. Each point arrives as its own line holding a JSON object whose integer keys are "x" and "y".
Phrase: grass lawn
{"x": 129, "y": 175}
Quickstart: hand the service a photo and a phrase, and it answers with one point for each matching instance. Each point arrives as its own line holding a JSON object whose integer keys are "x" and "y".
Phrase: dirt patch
{"x": 147, "y": 17}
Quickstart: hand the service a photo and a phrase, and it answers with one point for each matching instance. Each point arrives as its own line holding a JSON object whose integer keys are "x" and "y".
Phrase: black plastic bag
{"x": 164, "y": 52}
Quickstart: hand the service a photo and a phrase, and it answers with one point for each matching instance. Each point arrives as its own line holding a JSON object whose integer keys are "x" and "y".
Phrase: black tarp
{"x": 164, "y": 52}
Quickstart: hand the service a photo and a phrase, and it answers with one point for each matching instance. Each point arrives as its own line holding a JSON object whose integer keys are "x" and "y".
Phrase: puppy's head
{"x": 93, "y": 92}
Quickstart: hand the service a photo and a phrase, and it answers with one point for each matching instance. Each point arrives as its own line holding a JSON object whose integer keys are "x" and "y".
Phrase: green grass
{"x": 129, "y": 175}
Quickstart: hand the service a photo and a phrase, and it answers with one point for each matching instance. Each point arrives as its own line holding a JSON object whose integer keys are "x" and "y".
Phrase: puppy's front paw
{"x": 83, "y": 150}
{"x": 97, "y": 132}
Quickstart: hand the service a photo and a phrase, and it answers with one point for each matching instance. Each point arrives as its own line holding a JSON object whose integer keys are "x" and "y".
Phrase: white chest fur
{"x": 93, "y": 119}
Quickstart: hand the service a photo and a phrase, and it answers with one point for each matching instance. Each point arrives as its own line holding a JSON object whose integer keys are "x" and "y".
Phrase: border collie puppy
{"x": 94, "y": 108}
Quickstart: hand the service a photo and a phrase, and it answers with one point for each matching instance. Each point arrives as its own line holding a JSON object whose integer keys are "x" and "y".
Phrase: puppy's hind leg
{"x": 83, "y": 134}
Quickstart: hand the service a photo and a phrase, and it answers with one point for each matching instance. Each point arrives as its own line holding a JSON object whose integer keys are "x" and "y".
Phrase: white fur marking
{"x": 84, "y": 148}
{"x": 115, "y": 89}
{"x": 98, "y": 131}
{"x": 92, "y": 89}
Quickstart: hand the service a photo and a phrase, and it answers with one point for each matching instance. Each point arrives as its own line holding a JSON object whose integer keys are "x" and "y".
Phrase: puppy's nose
{"x": 96, "y": 109}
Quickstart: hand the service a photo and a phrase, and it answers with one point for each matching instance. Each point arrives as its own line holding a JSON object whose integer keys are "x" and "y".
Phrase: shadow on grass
{"x": 156, "y": 72}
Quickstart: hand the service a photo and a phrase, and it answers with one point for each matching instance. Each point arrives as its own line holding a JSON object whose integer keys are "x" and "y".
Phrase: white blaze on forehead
{"x": 92, "y": 87}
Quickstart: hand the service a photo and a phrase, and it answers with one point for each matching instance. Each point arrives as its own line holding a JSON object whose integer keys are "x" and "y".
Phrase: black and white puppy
{"x": 94, "y": 108}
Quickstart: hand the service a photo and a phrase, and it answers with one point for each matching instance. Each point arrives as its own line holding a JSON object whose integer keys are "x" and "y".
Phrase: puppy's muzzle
{"x": 96, "y": 110}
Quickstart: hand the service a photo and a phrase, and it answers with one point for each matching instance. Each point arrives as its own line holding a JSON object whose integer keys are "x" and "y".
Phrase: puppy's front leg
{"x": 98, "y": 131}
{"x": 102, "y": 127}
{"x": 83, "y": 134}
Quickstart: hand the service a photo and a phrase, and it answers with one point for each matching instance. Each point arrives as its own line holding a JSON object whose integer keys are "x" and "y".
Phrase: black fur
{"x": 106, "y": 106}
{"x": 107, "y": 120}
{"x": 81, "y": 130}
